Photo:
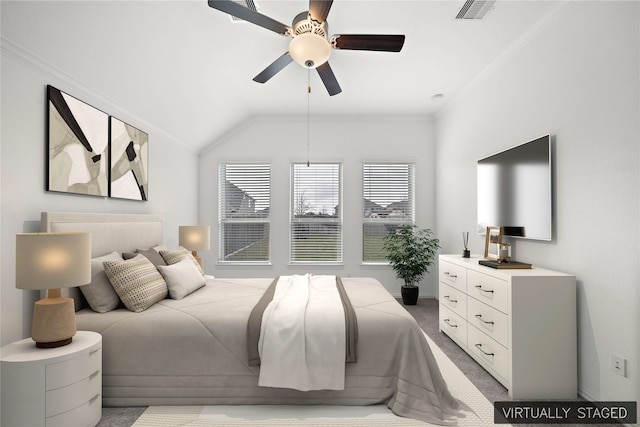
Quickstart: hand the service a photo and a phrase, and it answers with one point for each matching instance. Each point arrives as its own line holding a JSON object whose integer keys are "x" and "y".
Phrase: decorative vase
{"x": 410, "y": 294}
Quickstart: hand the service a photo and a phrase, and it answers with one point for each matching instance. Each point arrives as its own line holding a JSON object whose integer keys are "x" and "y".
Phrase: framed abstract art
{"x": 78, "y": 142}
{"x": 129, "y": 161}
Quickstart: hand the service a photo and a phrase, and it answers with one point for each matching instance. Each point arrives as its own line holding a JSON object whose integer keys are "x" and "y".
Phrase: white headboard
{"x": 109, "y": 232}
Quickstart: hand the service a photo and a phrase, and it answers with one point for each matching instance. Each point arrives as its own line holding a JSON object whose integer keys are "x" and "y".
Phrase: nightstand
{"x": 52, "y": 386}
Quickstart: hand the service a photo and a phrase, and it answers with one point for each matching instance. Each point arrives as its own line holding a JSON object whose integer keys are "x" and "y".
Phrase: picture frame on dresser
{"x": 493, "y": 242}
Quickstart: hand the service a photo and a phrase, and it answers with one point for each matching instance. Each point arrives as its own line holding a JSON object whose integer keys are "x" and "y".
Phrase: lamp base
{"x": 54, "y": 344}
{"x": 54, "y": 322}
{"x": 198, "y": 258}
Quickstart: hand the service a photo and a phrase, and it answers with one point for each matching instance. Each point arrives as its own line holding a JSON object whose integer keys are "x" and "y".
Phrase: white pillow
{"x": 182, "y": 278}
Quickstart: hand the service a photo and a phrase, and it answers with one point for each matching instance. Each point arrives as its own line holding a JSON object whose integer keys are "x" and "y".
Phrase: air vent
{"x": 250, "y": 4}
{"x": 475, "y": 9}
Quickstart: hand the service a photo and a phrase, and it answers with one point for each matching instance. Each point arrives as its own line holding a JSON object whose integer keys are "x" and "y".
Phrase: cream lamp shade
{"x": 195, "y": 238}
{"x": 52, "y": 261}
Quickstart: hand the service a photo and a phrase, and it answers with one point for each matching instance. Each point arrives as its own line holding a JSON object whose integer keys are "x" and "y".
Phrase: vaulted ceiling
{"x": 185, "y": 69}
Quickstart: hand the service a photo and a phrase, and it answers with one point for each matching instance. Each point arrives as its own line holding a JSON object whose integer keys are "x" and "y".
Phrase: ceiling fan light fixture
{"x": 310, "y": 50}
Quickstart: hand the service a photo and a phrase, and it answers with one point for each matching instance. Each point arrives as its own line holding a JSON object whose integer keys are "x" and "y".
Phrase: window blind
{"x": 244, "y": 205}
{"x": 388, "y": 202}
{"x": 316, "y": 212}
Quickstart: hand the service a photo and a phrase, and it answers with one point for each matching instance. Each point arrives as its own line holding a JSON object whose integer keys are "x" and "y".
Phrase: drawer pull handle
{"x": 479, "y": 287}
{"x": 95, "y": 374}
{"x": 448, "y": 298}
{"x": 448, "y": 322}
{"x": 479, "y": 317}
{"x": 94, "y": 398}
{"x": 480, "y": 348}
{"x": 94, "y": 351}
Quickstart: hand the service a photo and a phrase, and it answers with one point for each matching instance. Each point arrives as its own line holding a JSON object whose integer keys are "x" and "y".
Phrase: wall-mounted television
{"x": 515, "y": 190}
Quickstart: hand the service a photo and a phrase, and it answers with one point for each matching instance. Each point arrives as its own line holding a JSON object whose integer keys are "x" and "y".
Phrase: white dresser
{"x": 519, "y": 324}
{"x": 52, "y": 387}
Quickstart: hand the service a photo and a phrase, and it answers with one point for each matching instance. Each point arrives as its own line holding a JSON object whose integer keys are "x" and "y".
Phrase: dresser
{"x": 519, "y": 324}
{"x": 52, "y": 387}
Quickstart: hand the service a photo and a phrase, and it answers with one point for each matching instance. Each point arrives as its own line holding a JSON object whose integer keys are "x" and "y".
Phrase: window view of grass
{"x": 316, "y": 247}
{"x": 257, "y": 251}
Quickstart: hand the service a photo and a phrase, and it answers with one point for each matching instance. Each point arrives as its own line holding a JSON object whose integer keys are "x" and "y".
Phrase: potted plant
{"x": 410, "y": 251}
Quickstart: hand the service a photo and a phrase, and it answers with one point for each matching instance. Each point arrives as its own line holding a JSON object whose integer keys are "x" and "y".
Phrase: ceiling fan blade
{"x": 378, "y": 42}
{"x": 274, "y": 68}
{"x": 246, "y": 14}
{"x": 329, "y": 79}
{"x": 319, "y": 9}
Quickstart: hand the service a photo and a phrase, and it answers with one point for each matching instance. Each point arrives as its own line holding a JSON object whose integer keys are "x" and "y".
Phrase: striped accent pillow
{"x": 137, "y": 282}
{"x": 172, "y": 257}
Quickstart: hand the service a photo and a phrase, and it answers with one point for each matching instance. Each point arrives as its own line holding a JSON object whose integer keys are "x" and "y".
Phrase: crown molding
{"x": 12, "y": 50}
{"x": 508, "y": 53}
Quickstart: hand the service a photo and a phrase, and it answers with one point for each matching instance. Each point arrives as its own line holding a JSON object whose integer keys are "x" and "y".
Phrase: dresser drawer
{"x": 453, "y": 299}
{"x": 453, "y": 325}
{"x": 489, "y": 320}
{"x": 489, "y": 353}
{"x": 86, "y": 415}
{"x": 73, "y": 370}
{"x": 453, "y": 275}
{"x": 488, "y": 289}
{"x": 67, "y": 398}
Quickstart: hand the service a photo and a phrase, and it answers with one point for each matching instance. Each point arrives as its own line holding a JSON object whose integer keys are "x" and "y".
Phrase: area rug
{"x": 321, "y": 415}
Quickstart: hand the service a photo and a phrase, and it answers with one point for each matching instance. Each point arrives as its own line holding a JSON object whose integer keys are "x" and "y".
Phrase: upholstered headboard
{"x": 109, "y": 232}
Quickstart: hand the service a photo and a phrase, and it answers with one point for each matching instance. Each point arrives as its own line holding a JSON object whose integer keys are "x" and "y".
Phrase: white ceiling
{"x": 185, "y": 69}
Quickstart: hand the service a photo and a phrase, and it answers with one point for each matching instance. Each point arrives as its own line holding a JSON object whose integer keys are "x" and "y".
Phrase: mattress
{"x": 193, "y": 351}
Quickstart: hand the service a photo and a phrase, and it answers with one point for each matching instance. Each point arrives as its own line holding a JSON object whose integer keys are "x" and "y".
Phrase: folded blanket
{"x": 301, "y": 332}
{"x": 255, "y": 323}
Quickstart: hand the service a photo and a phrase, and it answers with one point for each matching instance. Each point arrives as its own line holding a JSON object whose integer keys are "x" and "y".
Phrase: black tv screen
{"x": 514, "y": 190}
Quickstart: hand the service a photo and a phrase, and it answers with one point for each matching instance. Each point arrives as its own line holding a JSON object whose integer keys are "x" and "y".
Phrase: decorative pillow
{"x": 182, "y": 278}
{"x": 172, "y": 257}
{"x": 151, "y": 254}
{"x": 99, "y": 293}
{"x": 137, "y": 282}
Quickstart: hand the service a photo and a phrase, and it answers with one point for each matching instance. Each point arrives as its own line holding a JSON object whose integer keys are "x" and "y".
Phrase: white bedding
{"x": 302, "y": 339}
{"x": 193, "y": 351}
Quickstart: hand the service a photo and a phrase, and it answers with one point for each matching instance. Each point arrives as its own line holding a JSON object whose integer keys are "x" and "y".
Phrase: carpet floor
{"x": 425, "y": 313}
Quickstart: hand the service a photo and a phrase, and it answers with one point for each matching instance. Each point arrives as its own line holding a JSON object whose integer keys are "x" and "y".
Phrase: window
{"x": 244, "y": 204}
{"x": 316, "y": 217}
{"x": 388, "y": 201}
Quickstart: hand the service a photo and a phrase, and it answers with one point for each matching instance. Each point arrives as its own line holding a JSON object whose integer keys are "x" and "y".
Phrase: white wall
{"x": 351, "y": 140}
{"x": 172, "y": 175}
{"x": 578, "y": 79}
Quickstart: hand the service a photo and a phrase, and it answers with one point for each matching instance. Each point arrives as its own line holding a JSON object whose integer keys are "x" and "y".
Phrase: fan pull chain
{"x": 308, "y": 120}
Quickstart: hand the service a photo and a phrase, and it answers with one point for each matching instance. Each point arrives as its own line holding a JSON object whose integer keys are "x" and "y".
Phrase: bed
{"x": 193, "y": 351}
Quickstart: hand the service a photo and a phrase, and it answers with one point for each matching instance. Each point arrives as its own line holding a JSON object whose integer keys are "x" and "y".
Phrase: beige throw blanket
{"x": 301, "y": 332}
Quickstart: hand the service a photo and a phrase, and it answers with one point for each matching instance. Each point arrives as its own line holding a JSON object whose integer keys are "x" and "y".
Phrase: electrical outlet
{"x": 619, "y": 365}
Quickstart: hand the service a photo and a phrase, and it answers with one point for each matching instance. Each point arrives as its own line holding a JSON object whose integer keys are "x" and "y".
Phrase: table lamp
{"x": 53, "y": 261}
{"x": 194, "y": 238}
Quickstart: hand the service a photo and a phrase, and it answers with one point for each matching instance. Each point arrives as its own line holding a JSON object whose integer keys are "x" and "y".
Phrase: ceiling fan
{"x": 310, "y": 45}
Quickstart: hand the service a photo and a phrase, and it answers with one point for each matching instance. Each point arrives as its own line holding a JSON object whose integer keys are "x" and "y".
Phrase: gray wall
{"x": 578, "y": 79}
{"x": 173, "y": 179}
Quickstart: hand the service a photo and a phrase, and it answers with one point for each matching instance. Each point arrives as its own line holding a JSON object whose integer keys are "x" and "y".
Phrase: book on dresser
{"x": 519, "y": 324}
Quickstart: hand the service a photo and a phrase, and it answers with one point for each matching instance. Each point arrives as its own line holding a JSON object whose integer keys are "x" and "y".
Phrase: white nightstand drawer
{"x": 453, "y": 299}
{"x": 73, "y": 370}
{"x": 453, "y": 275}
{"x": 489, "y": 320}
{"x": 65, "y": 399}
{"x": 489, "y": 352}
{"x": 453, "y": 325}
{"x": 87, "y": 415}
{"x": 488, "y": 289}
